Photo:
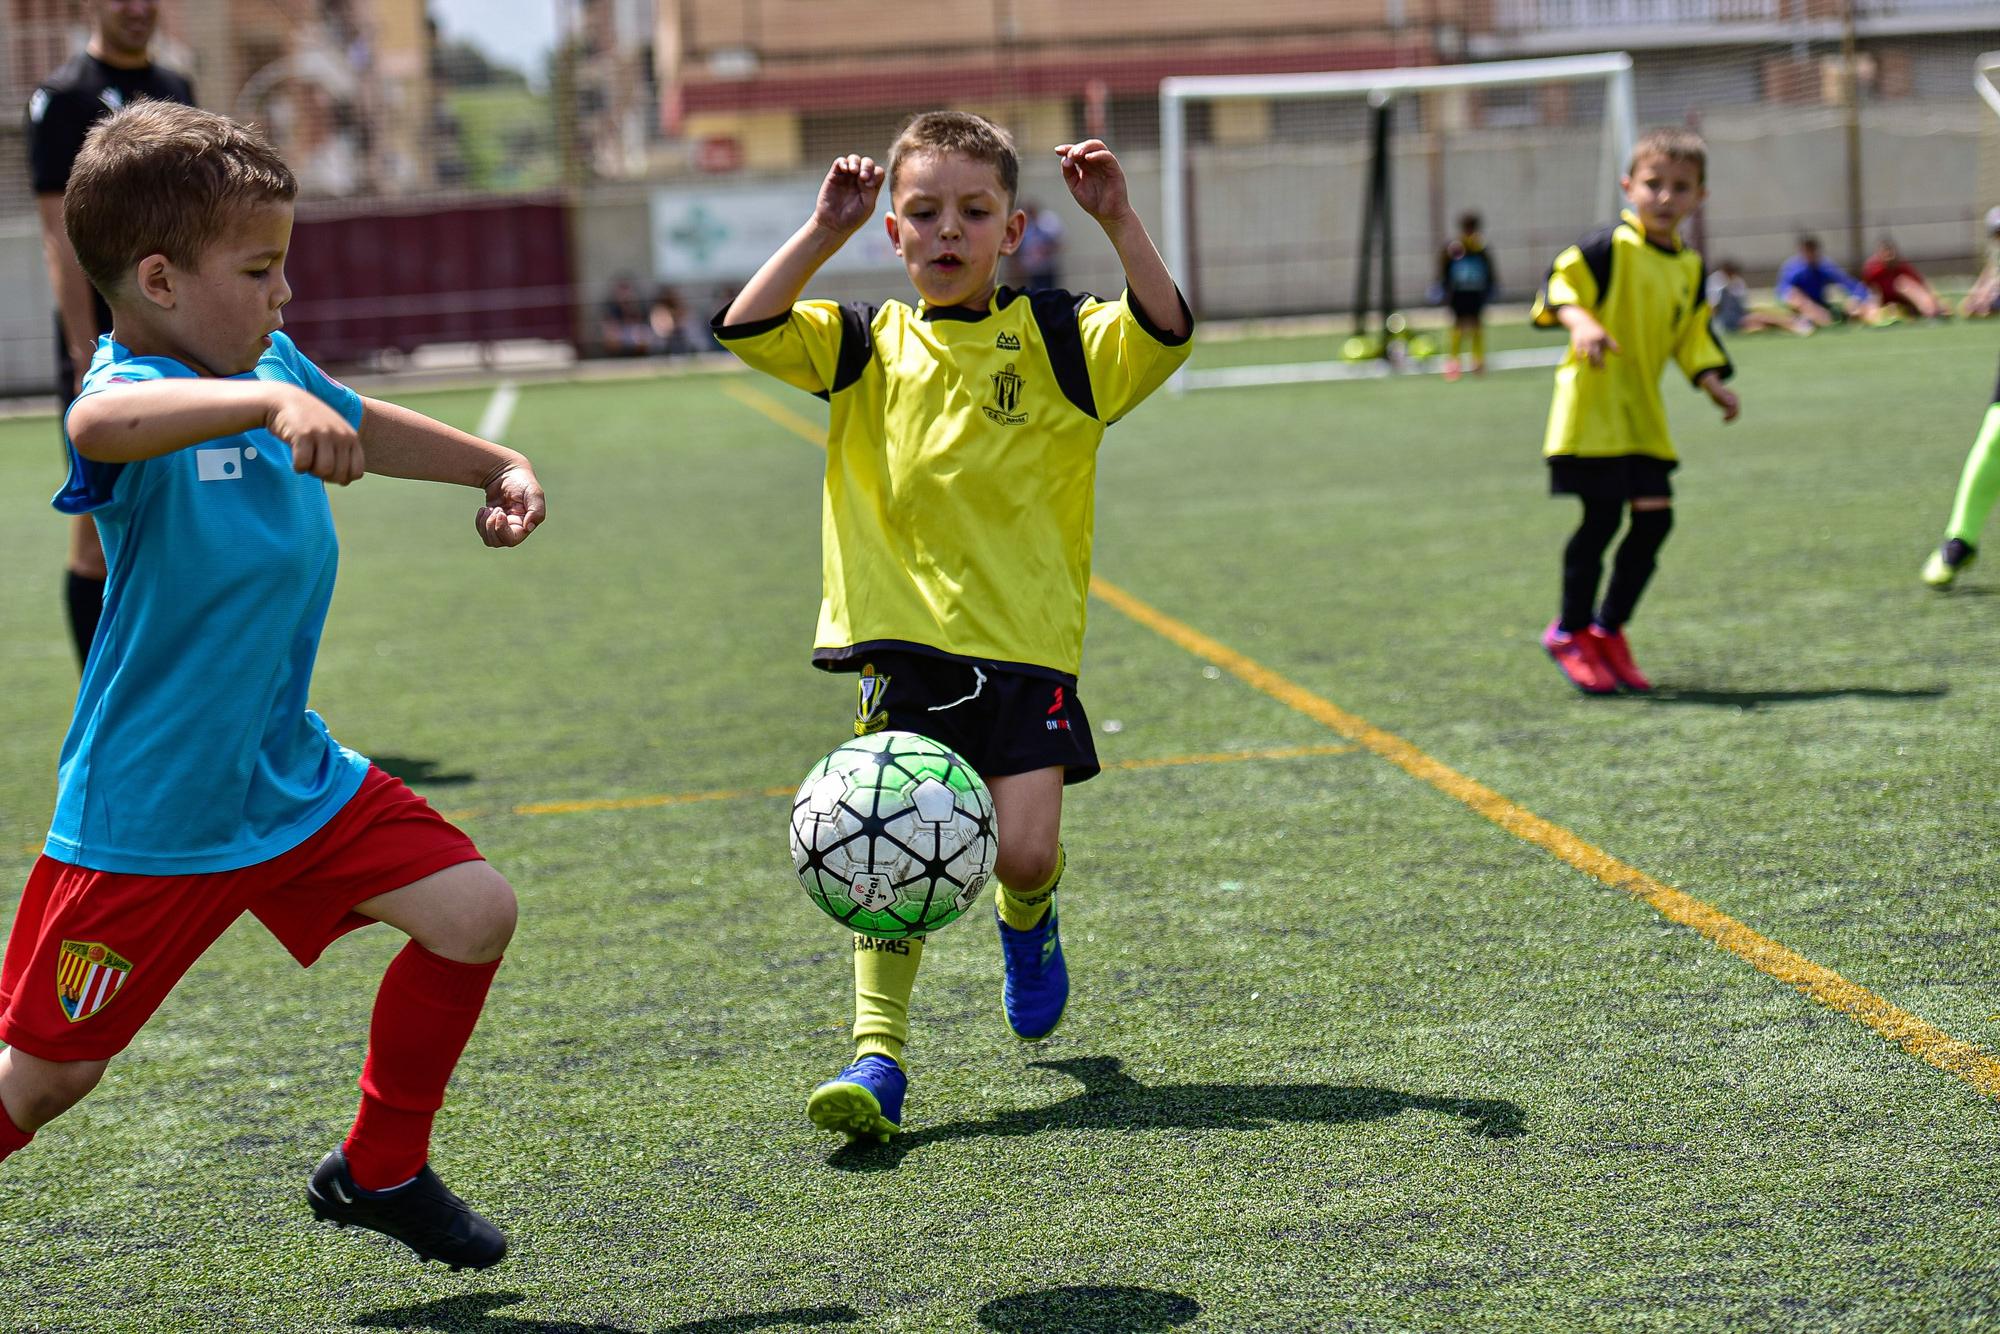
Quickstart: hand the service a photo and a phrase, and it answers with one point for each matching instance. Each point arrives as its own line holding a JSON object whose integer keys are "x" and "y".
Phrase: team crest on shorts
{"x": 871, "y": 709}
{"x": 88, "y": 975}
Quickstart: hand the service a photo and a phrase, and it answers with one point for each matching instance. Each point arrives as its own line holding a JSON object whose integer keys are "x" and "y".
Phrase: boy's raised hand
{"x": 1095, "y": 179}
{"x": 847, "y": 195}
{"x": 322, "y": 442}
{"x": 514, "y": 506}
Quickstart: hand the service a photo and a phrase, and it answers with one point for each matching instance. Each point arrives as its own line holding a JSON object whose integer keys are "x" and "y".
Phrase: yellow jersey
{"x": 1651, "y": 300}
{"x": 961, "y": 465}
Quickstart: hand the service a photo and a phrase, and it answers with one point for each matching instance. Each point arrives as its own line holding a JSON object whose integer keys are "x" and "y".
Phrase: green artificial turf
{"x": 1342, "y": 1054}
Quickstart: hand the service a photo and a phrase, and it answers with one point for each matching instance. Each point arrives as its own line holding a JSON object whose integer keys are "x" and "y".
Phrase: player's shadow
{"x": 1752, "y": 699}
{"x": 419, "y": 772}
{"x": 1082, "y": 1310}
{"x": 474, "y": 1313}
{"x": 1113, "y": 1100}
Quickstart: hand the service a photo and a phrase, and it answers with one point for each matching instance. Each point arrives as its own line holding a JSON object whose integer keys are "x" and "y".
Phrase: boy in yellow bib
{"x": 1632, "y": 297}
{"x": 957, "y": 515}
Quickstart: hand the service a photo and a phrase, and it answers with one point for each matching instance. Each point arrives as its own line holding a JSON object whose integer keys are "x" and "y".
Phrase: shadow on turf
{"x": 1751, "y": 699}
{"x": 1113, "y": 1100}
{"x": 418, "y": 772}
{"x": 1128, "y": 1310}
{"x": 473, "y": 1313}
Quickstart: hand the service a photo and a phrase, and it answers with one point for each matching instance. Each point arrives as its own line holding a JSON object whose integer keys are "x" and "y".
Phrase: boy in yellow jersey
{"x": 1631, "y": 296}
{"x": 956, "y": 521}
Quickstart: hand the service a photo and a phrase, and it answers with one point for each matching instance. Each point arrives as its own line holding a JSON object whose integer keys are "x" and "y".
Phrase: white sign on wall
{"x": 710, "y": 234}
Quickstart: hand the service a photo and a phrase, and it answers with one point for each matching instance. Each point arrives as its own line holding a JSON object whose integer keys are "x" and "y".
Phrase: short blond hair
{"x": 965, "y": 134}
{"x": 158, "y": 178}
{"x": 1675, "y": 145}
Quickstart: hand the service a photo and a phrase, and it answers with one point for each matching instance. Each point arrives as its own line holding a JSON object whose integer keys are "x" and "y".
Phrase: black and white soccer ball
{"x": 893, "y": 835}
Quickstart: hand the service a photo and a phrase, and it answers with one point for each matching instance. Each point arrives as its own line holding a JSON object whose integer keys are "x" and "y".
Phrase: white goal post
{"x": 1985, "y": 67}
{"x": 1380, "y": 87}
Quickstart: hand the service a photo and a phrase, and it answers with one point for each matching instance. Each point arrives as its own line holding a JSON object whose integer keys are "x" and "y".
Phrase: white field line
{"x": 499, "y": 411}
{"x": 1236, "y": 377}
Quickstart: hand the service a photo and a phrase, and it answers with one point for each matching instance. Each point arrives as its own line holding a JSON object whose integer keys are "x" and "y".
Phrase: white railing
{"x": 1518, "y": 16}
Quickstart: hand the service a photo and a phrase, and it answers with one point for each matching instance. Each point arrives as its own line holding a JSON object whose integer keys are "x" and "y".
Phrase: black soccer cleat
{"x": 424, "y": 1215}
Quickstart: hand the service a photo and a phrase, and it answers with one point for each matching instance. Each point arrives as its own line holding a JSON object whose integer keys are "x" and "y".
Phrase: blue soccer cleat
{"x": 863, "y": 1101}
{"x": 1037, "y": 983}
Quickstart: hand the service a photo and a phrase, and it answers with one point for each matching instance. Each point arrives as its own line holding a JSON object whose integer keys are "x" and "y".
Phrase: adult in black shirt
{"x": 113, "y": 71}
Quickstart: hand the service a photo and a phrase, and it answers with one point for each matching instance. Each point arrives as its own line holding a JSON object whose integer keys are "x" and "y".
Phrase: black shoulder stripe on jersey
{"x": 1727, "y": 370}
{"x": 746, "y": 328}
{"x": 857, "y": 344}
{"x": 1056, "y": 316}
{"x": 1153, "y": 331}
{"x": 1596, "y": 251}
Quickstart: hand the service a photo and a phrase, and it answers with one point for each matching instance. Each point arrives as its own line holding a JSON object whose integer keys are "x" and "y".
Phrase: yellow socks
{"x": 1479, "y": 346}
{"x": 1022, "y": 909}
{"x": 885, "y": 973}
{"x": 1457, "y": 340}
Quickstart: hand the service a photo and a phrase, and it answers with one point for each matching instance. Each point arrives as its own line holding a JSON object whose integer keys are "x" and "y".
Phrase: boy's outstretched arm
{"x": 131, "y": 422}
{"x": 1098, "y": 183}
{"x": 397, "y": 442}
{"x": 846, "y": 200}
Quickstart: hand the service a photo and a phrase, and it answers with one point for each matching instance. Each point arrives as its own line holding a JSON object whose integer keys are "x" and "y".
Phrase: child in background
{"x": 1468, "y": 278}
{"x": 1984, "y": 298}
{"x": 1897, "y": 284}
{"x": 961, "y": 462}
{"x": 1805, "y": 279}
{"x": 1729, "y": 299}
{"x": 1631, "y": 297}
{"x": 195, "y": 784}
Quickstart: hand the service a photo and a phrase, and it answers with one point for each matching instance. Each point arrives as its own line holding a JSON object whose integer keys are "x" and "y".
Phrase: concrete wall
{"x": 27, "y": 311}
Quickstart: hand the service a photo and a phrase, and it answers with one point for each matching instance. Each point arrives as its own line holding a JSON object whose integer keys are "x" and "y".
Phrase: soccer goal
{"x": 1328, "y": 197}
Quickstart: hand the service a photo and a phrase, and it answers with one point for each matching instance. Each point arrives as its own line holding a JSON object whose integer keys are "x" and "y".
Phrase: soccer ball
{"x": 892, "y": 835}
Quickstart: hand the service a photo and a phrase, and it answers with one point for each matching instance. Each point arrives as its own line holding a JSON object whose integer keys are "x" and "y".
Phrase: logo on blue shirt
{"x": 221, "y": 465}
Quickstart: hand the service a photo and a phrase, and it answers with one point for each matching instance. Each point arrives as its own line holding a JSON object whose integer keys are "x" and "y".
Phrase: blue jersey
{"x": 1814, "y": 278}
{"x": 192, "y": 749}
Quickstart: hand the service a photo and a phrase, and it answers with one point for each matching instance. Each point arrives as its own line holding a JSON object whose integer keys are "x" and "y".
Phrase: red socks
{"x": 424, "y": 1015}
{"x": 12, "y": 1138}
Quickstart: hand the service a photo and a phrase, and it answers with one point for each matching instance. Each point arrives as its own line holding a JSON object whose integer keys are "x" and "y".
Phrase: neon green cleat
{"x": 1946, "y": 563}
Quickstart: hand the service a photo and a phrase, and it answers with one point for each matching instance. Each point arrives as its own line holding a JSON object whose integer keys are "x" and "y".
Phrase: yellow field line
{"x": 777, "y": 412}
{"x": 1829, "y": 988}
{"x": 647, "y": 803}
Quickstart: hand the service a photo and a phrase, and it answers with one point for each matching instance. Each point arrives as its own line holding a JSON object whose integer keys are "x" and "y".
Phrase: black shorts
{"x": 1625, "y": 477}
{"x": 1002, "y": 721}
{"x": 1468, "y": 305}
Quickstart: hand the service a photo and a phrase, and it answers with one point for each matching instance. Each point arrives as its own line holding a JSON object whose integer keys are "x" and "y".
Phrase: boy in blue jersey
{"x": 1803, "y": 281}
{"x": 194, "y": 782}
{"x": 961, "y": 458}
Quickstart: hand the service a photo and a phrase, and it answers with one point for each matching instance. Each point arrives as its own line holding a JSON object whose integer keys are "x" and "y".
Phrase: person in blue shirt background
{"x": 1803, "y": 281}
{"x": 194, "y": 784}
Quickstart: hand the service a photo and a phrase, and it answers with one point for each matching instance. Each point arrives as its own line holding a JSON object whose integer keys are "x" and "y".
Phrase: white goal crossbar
{"x": 1379, "y": 86}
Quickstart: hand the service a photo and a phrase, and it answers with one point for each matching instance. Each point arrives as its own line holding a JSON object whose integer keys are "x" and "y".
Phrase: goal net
{"x": 1333, "y": 194}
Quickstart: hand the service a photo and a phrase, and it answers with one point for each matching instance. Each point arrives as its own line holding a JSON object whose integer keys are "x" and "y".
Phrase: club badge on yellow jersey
{"x": 871, "y": 708}
{"x": 1006, "y": 403}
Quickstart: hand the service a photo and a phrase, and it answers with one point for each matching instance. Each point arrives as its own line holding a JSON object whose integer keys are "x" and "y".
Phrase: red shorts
{"x": 93, "y": 953}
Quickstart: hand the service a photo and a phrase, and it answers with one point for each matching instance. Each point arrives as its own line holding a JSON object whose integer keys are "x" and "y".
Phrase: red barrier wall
{"x": 368, "y": 280}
